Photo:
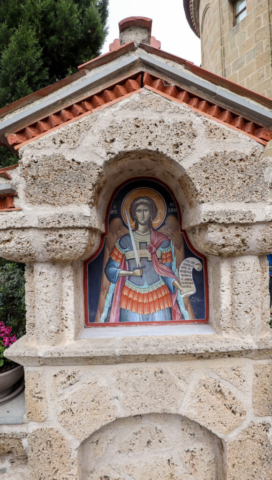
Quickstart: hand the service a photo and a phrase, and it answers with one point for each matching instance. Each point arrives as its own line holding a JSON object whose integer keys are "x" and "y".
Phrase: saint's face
{"x": 142, "y": 214}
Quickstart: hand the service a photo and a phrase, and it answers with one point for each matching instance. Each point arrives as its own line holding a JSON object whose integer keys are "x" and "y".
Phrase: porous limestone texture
{"x": 13, "y": 454}
{"x": 249, "y": 454}
{"x": 50, "y": 456}
{"x": 191, "y": 419}
{"x": 135, "y": 34}
{"x": 143, "y": 407}
{"x": 148, "y": 447}
{"x": 36, "y": 402}
{"x": 262, "y": 389}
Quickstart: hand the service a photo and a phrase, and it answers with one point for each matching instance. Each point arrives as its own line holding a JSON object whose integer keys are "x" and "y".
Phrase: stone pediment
{"x": 124, "y": 72}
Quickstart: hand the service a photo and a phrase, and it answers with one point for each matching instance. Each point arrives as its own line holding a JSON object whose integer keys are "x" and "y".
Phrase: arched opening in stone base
{"x": 152, "y": 447}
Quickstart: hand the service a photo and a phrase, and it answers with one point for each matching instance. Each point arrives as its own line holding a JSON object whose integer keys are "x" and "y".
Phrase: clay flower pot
{"x": 8, "y": 380}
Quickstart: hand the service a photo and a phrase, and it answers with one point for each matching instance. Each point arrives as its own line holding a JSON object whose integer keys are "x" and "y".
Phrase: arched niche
{"x": 173, "y": 286}
{"x": 141, "y": 163}
{"x": 153, "y": 446}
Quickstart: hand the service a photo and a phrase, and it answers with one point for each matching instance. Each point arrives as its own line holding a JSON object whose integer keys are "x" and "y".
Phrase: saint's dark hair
{"x": 148, "y": 202}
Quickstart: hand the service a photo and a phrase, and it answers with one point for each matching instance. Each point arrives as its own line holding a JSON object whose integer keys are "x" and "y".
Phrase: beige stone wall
{"x": 14, "y": 453}
{"x": 202, "y": 420}
{"x": 241, "y": 53}
{"x": 196, "y": 406}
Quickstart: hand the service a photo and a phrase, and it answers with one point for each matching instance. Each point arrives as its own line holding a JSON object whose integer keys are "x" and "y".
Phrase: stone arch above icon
{"x": 145, "y": 270}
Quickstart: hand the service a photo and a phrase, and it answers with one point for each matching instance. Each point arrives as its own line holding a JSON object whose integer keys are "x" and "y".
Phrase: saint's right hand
{"x": 138, "y": 272}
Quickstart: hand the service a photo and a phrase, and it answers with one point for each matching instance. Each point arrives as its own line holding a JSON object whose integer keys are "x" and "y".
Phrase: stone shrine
{"x": 189, "y": 398}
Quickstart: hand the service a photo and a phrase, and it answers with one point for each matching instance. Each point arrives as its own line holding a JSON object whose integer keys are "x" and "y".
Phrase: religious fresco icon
{"x": 145, "y": 270}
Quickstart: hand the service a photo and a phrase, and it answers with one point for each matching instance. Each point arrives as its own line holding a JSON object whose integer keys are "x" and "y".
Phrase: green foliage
{"x": 42, "y": 41}
{"x": 7, "y": 158}
{"x": 2, "y": 349}
{"x": 12, "y": 296}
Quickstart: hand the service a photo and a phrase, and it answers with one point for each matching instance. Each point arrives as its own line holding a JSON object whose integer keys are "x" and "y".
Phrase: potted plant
{"x": 10, "y": 372}
{"x": 12, "y": 326}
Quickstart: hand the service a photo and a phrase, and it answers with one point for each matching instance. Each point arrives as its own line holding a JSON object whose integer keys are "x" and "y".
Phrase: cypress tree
{"x": 42, "y": 41}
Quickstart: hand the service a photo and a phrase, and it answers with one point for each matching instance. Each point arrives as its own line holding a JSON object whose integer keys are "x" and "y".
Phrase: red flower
{"x": 6, "y": 342}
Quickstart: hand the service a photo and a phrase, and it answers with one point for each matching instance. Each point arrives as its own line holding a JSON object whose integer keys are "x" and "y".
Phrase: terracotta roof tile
{"x": 209, "y": 76}
{"x": 75, "y": 111}
{"x": 155, "y": 43}
{"x": 128, "y": 86}
{"x": 108, "y": 57}
{"x": 138, "y": 21}
{"x": 7, "y": 203}
{"x": 258, "y": 133}
{"x": 115, "y": 45}
{"x": 4, "y": 174}
{"x": 44, "y": 92}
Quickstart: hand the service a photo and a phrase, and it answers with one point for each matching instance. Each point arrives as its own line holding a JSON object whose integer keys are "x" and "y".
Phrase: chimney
{"x": 136, "y": 29}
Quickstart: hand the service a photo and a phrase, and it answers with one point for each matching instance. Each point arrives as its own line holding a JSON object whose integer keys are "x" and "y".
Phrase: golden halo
{"x": 144, "y": 192}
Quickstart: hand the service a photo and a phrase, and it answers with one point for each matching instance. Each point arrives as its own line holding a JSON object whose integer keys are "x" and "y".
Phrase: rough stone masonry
{"x": 167, "y": 405}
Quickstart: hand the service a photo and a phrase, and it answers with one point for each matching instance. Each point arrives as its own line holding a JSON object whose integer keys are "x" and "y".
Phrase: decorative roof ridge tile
{"x": 128, "y": 22}
{"x": 208, "y": 109}
{"x": 77, "y": 111}
{"x": 108, "y": 57}
{"x": 127, "y": 87}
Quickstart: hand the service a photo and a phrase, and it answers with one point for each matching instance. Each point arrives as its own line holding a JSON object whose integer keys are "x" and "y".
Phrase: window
{"x": 240, "y": 11}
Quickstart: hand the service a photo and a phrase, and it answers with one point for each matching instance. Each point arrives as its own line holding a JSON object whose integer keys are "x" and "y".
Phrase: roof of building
{"x": 123, "y": 71}
{"x": 191, "y": 8}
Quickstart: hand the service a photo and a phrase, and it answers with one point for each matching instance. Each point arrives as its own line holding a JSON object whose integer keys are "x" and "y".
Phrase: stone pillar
{"x": 54, "y": 302}
{"x": 240, "y": 304}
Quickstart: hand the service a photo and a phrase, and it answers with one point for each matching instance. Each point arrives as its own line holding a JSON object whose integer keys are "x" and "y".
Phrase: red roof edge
{"x": 22, "y": 102}
{"x": 163, "y": 54}
{"x": 228, "y": 84}
{"x": 211, "y": 77}
{"x": 108, "y": 57}
{"x": 135, "y": 21}
{"x": 12, "y": 167}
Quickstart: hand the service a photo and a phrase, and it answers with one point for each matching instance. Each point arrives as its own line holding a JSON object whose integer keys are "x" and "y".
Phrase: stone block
{"x": 149, "y": 447}
{"x": 205, "y": 181}
{"x": 54, "y": 180}
{"x": 12, "y": 444}
{"x": 35, "y": 394}
{"x": 51, "y": 457}
{"x": 247, "y": 70}
{"x": 151, "y": 389}
{"x": 239, "y": 63}
{"x": 88, "y": 406}
{"x": 214, "y": 406}
{"x": 263, "y": 59}
{"x": 248, "y": 456}
{"x": 232, "y": 57}
{"x": 262, "y": 390}
{"x": 13, "y": 456}
{"x": 236, "y": 375}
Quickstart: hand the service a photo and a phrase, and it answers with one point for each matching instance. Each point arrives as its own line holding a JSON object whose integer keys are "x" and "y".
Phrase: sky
{"x": 169, "y": 25}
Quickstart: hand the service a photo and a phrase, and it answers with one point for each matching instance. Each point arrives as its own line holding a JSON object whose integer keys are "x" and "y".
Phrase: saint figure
{"x": 148, "y": 293}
